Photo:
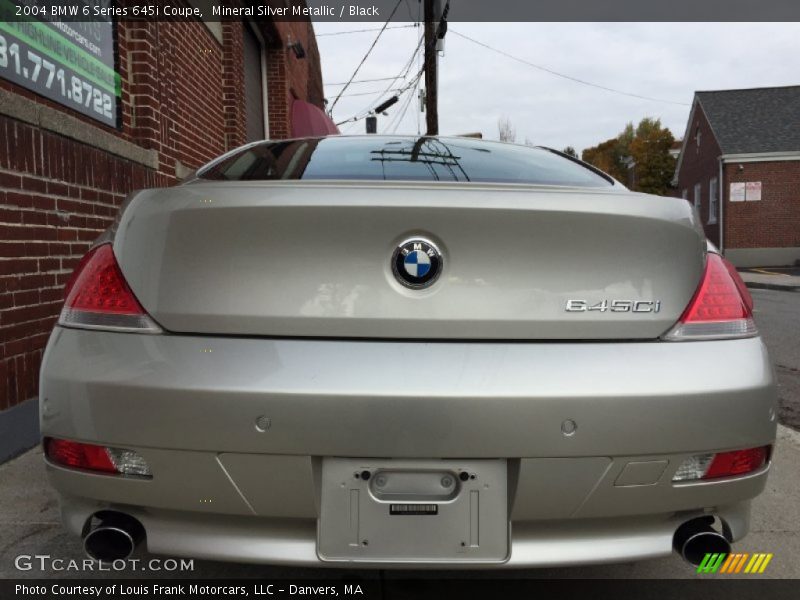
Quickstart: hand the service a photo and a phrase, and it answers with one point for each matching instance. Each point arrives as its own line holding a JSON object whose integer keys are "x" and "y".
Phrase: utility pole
{"x": 431, "y": 93}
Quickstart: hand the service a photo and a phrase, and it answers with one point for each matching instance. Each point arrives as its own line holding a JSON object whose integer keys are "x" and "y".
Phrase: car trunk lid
{"x": 313, "y": 259}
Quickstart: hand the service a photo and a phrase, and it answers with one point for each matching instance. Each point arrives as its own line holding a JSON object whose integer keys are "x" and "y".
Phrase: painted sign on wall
{"x": 71, "y": 63}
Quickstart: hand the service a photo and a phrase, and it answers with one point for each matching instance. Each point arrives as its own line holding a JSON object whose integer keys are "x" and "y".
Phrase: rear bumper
{"x": 223, "y": 489}
{"x": 555, "y": 543}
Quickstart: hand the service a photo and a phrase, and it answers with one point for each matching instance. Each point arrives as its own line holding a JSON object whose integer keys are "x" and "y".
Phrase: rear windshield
{"x": 404, "y": 159}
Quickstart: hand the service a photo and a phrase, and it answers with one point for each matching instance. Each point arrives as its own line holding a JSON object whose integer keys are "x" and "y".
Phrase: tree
{"x": 608, "y": 156}
{"x": 654, "y": 166}
{"x": 506, "y": 130}
{"x": 570, "y": 151}
{"x": 637, "y": 156}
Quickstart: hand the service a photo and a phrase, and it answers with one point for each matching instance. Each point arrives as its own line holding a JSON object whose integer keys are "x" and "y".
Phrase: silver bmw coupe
{"x": 400, "y": 351}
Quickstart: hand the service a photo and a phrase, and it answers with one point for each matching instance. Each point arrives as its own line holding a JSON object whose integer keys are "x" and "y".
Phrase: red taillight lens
{"x": 738, "y": 462}
{"x": 720, "y": 308}
{"x": 100, "y": 459}
{"x": 722, "y": 464}
{"x": 98, "y": 297}
{"x": 79, "y": 456}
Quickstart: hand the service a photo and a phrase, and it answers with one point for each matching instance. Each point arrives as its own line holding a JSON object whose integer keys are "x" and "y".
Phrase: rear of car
{"x": 396, "y": 351}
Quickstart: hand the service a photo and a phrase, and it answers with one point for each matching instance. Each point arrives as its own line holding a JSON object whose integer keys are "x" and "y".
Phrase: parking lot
{"x": 29, "y": 512}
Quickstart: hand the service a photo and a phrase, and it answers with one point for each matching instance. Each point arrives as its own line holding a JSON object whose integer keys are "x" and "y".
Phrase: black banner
{"x": 407, "y": 10}
{"x": 391, "y": 585}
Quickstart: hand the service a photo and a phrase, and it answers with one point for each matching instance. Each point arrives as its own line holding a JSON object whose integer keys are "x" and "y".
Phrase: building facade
{"x": 740, "y": 166}
{"x": 164, "y": 99}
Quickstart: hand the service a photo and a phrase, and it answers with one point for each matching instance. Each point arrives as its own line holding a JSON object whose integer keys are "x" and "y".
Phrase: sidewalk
{"x": 768, "y": 278}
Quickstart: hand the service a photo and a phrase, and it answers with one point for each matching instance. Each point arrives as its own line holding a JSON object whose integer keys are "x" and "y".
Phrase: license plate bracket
{"x": 413, "y": 510}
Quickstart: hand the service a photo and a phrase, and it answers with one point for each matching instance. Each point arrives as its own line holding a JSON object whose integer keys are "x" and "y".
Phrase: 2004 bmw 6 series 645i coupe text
{"x": 406, "y": 351}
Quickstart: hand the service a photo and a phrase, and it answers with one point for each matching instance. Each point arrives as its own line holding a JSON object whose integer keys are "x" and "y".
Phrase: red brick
{"x": 58, "y": 194}
{"x": 12, "y": 249}
{"x": 13, "y": 267}
{"x": 10, "y": 180}
{"x": 26, "y": 298}
{"x": 34, "y": 185}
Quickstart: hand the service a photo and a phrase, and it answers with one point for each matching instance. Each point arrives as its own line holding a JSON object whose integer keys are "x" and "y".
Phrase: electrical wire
{"x": 397, "y": 113}
{"x": 364, "y": 80}
{"x": 363, "y": 60}
{"x": 403, "y": 74}
{"x": 419, "y": 66}
{"x": 562, "y": 75}
{"x": 399, "y": 92}
{"x": 349, "y": 31}
{"x": 372, "y": 93}
{"x": 399, "y": 119}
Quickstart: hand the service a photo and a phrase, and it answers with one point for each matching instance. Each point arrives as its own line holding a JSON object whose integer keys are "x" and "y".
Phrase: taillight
{"x": 91, "y": 457}
{"x": 721, "y": 307}
{"x": 98, "y": 297}
{"x": 722, "y": 464}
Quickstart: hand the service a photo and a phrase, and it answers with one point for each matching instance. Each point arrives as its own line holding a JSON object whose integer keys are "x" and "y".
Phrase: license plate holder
{"x": 413, "y": 511}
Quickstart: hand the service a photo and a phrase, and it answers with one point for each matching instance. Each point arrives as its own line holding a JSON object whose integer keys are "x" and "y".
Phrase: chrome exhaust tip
{"x": 696, "y": 538}
{"x": 114, "y": 538}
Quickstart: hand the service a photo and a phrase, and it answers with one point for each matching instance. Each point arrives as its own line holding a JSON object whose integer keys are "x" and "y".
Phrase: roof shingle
{"x": 754, "y": 120}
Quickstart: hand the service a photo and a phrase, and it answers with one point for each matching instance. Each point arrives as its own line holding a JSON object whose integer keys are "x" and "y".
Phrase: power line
{"x": 399, "y": 92}
{"x": 349, "y": 31}
{"x": 398, "y": 118}
{"x": 397, "y": 113}
{"x": 562, "y": 75}
{"x": 363, "y": 60}
{"x": 364, "y": 80}
{"x": 419, "y": 67}
{"x": 372, "y": 93}
{"x": 402, "y": 75}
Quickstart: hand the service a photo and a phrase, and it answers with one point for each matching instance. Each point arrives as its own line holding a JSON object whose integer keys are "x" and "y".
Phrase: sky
{"x": 663, "y": 61}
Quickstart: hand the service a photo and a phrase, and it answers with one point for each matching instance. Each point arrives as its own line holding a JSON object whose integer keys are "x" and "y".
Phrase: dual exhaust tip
{"x": 117, "y": 535}
{"x": 114, "y": 538}
{"x": 696, "y": 538}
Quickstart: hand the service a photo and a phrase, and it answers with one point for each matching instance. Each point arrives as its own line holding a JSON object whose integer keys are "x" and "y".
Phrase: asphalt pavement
{"x": 777, "y": 315}
{"x": 29, "y": 520}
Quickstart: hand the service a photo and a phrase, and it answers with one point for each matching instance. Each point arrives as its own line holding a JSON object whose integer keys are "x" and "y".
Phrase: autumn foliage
{"x": 638, "y": 157}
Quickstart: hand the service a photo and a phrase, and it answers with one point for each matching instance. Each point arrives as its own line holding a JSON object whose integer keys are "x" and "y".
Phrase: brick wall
{"x": 288, "y": 77}
{"x": 700, "y": 164}
{"x": 772, "y": 222}
{"x": 55, "y": 198}
{"x": 182, "y": 97}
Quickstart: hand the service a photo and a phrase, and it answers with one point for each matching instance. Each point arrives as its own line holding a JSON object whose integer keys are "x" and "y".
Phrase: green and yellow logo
{"x": 734, "y": 563}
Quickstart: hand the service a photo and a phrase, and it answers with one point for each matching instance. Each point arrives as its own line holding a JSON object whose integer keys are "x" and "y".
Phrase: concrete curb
{"x": 19, "y": 429}
{"x": 757, "y": 285}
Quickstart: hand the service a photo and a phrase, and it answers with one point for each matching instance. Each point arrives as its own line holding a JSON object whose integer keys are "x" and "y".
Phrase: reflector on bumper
{"x": 722, "y": 464}
{"x": 100, "y": 459}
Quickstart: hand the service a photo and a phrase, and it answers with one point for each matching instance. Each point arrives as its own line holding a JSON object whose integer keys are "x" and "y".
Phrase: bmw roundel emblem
{"x": 417, "y": 263}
